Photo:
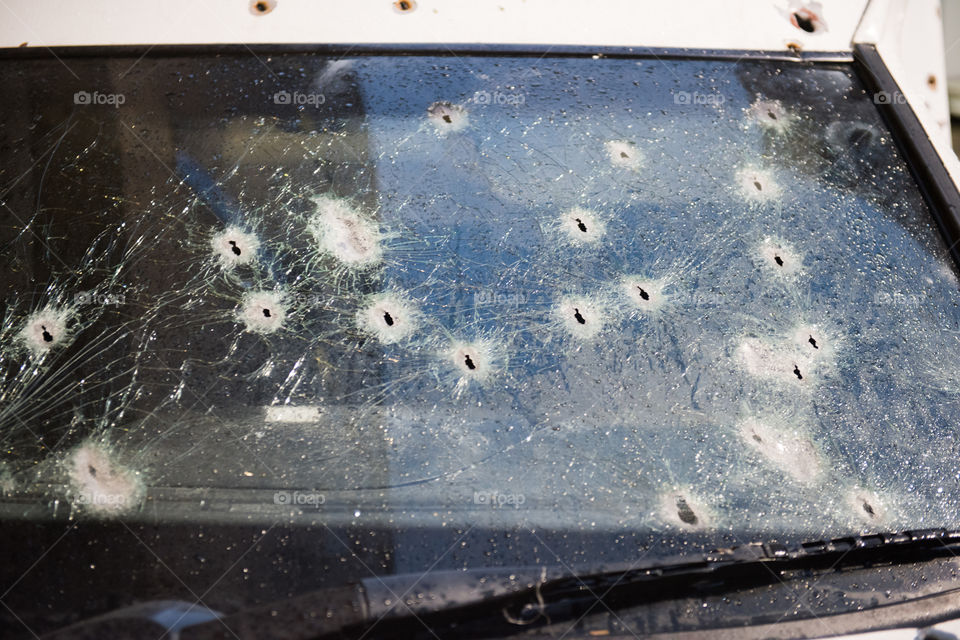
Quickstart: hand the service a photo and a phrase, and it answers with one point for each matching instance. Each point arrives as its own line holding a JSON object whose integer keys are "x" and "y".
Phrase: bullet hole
{"x": 234, "y": 246}
{"x": 804, "y": 22}
{"x": 388, "y": 316}
{"x": 475, "y": 362}
{"x": 784, "y": 444}
{"x": 685, "y": 513}
{"x": 856, "y": 145}
{"x": 681, "y": 508}
{"x": 346, "y": 233}
{"x": 796, "y": 372}
{"x": 582, "y": 318}
{"x": 262, "y": 311}
{"x": 404, "y": 6}
{"x": 45, "y": 329}
{"x": 932, "y": 81}
{"x": 582, "y": 226}
{"x": 779, "y": 257}
{"x": 867, "y": 506}
{"x": 757, "y": 184}
{"x": 861, "y": 141}
{"x": 814, "y": 346}
{"x": 623, "y": 153}
{"x": 356, "y": 239}
{"x": 646, "y": 294}
{"x": 99, "y": 484}
{"x": 805, "y": 16}
{"x": 770, "y": 115}
{"x": 262, "y": 7}
{"x": 447, "y": 117}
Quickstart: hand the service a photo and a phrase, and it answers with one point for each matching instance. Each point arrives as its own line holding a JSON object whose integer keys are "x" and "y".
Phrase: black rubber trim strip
{"x": 420, "y": 49}
{"x": 928, "y": 169}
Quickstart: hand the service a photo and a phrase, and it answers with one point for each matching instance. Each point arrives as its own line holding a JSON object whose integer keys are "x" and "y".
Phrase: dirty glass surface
{"x": 290, "y": 320}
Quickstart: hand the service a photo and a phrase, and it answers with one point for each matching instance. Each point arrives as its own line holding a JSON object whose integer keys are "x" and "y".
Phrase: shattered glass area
{"x": 697, "y": 301}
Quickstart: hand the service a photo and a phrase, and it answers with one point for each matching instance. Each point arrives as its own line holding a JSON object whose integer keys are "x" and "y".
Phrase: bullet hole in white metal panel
{"x": 404, "y": 6}
{"x": 803, "y": 20}
{"x": 262, "y": 7}
{"x": 447, "y": 117}
{"x": 805, "y": 15}
{"x": 808, "y": 18}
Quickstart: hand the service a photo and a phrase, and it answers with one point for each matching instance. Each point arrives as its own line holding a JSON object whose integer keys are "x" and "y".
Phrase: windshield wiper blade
{"x": 736, "y": 562}
{"x": 504, "y": 600}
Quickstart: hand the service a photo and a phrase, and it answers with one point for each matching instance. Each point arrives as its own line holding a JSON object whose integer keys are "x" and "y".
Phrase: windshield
{"x": 274, "y": 323}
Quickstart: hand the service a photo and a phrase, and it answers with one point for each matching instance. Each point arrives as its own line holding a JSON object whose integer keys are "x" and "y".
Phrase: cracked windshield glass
{"x": 280, "y": 322}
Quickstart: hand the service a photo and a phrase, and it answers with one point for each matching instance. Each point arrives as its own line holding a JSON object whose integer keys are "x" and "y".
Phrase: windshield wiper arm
{"x": 501, "y": 600}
